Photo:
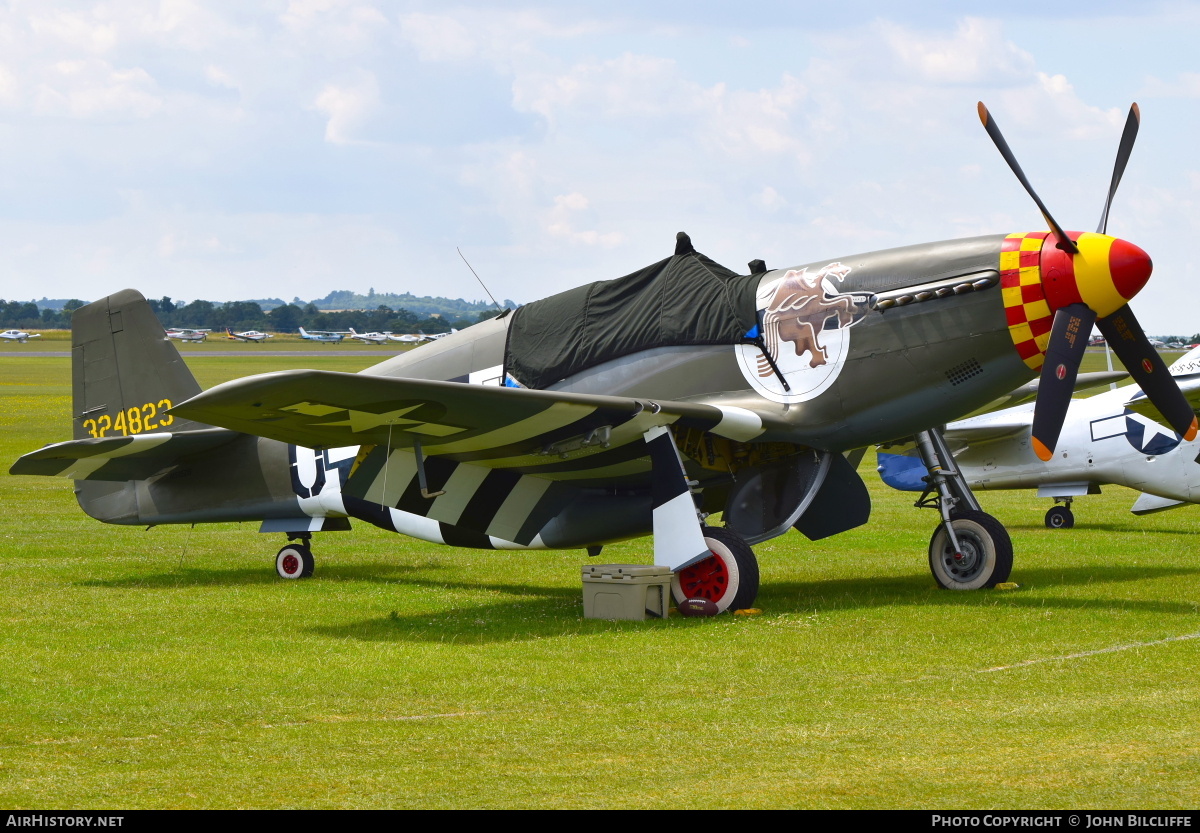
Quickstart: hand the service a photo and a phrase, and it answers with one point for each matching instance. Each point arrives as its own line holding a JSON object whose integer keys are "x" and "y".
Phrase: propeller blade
{"x": 1123, "y": 151}
{"x": 989, "y": 124}
{"x": 1124, "y": 335}
{"x": 1068, "y": 339}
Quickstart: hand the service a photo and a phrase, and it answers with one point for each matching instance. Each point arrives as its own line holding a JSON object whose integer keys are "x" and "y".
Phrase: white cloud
{"x": 348, "y": 107}
{"x": 75, "y": 30}
{"x": 437, "y": 37}
{"x": 93, "y": 89}
{"x": 561, "y": 220}
{"x": 977, "y": 52}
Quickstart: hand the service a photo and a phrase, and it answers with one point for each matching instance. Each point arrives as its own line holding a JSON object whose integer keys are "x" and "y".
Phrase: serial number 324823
{"x": 135, "y": 420}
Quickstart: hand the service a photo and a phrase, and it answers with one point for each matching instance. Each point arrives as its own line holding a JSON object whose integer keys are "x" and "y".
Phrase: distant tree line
{"x": 25, "y": 315}
{"x": 248, "y": 315}
{"x": 423, "y": 305}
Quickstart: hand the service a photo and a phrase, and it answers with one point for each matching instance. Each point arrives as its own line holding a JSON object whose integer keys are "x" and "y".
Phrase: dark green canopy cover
{"x": 685, "y": 299}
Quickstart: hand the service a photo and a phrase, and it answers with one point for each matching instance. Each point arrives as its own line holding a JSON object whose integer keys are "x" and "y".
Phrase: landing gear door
{"x": 767, "y": 500}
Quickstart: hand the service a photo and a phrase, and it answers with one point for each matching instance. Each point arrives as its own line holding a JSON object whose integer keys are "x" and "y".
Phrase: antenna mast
{"x": 476, "y": 274}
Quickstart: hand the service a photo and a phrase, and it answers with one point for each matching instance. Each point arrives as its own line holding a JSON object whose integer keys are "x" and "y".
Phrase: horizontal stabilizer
{"x": 1147, "y": 504}
{"x": 136, "y": 457}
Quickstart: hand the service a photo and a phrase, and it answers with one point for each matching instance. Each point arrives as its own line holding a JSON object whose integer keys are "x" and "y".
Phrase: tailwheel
{"x": 729, "y": 578}
{"x": 1060, "y": 517}
{"x": 984, "y": 557}
{"x": 294, "y": 561}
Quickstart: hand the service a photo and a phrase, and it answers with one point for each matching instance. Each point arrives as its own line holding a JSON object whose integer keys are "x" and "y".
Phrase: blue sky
{"x": 235, "y": 150}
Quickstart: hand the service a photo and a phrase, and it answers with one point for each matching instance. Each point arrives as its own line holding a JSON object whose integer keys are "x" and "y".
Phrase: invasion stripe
{"x": 518, "y": 506}
{"x": 481, "y": 509}
{"x": 556, "y": 416}
{"x": 437, "y": 473}
{"x": 455, "y": 536}
{"x": 460, "y": 488}
{"x": 520, "y": 448}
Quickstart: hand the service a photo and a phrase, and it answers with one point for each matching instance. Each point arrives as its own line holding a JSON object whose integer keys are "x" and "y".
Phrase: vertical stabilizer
{"x": 125, "y": 372}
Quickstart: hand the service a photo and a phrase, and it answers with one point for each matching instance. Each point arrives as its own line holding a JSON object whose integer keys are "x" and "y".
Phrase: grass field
{"x": 170, "y": 668}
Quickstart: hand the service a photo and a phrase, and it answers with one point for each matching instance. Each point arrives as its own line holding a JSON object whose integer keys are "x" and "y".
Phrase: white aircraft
{"x": 369, "y": 338}
{"x": 1107, "y": 438}
{"x": 321, "y": 335}
{"x": 408, "y": 338}
{"x": 18, "y": 335}
{"x": 185, "y": 334}
{"x": 249, "y": 335}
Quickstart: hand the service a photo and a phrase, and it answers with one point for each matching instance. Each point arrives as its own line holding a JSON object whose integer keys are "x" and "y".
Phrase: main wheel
{"x": 1060, "y": 517}
{"x": 729, "y": 578}
{"x": 295, "y": 561}
{"x": 986, "y": 557}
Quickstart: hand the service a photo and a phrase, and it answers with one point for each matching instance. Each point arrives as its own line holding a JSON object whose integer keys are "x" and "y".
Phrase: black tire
{"x": 729, "y": 578}
{"x": 294, "y": 561}
{"x": 986, "y": 559}
{"x": 1060, "y": 517}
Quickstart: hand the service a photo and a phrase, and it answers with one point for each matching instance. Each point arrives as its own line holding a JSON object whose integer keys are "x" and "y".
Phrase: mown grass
{"x": 170, "y": 668}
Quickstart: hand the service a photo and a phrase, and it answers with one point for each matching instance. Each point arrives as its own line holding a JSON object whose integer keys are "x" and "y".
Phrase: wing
{"x": 548, "y": 434}
{"x": 984, "y": 429}
{"x": 1028, "y": 392}
{"x": 1188, "y": 385}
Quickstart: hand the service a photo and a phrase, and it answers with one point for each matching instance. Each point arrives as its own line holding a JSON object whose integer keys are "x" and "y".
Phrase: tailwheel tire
{"x": 986, "y": 557}
{"x": 728, "y": 579}
{"x": 294, "y": 561}
{"x": 1060, "y": 517}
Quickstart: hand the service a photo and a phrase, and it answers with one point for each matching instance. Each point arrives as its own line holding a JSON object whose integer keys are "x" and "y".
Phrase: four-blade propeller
{"x": 1088, "y": 279}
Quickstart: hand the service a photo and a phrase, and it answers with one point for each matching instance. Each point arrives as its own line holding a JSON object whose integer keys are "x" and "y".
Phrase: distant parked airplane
{"x": 1113, "y": 437}
{"x": 322, "y": 335}
{"x": 185, "y": 334}
{"x": 18, "y": 335}
{"x": 369, "y": 338}
{"x": 249, "y": 335}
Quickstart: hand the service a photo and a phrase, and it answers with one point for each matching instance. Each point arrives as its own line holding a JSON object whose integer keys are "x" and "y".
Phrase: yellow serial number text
{"x": 135, "y": 420}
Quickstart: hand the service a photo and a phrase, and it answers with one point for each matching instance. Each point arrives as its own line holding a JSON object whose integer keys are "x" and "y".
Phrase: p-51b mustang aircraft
{"x": 1106, "y": 439}
{"x": 623, "y": 408}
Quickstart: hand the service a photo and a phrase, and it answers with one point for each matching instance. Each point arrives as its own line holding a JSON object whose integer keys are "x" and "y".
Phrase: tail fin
{"x": 1187, "y": 364}
{"x": 125, "y": 375}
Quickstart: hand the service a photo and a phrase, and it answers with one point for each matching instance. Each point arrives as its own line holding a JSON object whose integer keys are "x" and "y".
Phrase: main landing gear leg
{"x": 970, "y": 549}
{"x": 708, "y": 562}
{"x": 296, "y": 559}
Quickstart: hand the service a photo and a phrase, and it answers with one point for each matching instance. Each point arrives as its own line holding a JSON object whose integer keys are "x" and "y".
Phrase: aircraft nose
{"x": 1130, "y": 268}
{"x": 1104, "y": 274}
